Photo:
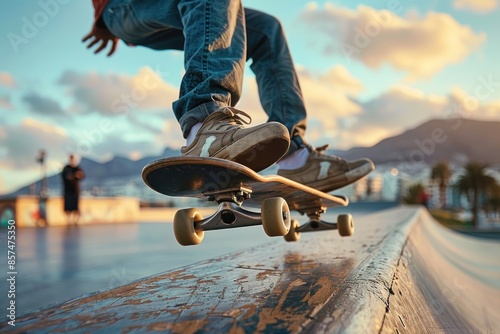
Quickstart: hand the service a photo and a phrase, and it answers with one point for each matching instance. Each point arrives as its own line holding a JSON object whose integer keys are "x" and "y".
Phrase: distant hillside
{"x": 454, "y": 140}
{"x": 117, "y": 170}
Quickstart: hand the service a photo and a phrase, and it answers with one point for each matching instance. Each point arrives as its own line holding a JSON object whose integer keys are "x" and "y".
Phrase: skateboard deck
{"x": 235, "y": 186}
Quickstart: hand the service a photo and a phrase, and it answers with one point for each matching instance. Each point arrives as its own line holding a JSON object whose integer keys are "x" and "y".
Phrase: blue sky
{"x": 368, "y": 71}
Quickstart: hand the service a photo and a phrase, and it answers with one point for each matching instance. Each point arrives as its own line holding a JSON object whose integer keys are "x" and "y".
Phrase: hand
{"x": 103, "y": 36}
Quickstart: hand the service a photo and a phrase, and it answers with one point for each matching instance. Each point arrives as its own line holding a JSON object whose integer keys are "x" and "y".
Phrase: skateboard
{"x": 237, "y": 190}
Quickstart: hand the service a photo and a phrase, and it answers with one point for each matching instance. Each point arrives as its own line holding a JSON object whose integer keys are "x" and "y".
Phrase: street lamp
{"x": 43, "y": 195}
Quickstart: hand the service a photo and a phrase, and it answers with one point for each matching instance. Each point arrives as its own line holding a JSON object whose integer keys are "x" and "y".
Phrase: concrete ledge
{"x": 363, "y": 297}
{"x": 445, "y": 282}
{"x": 103, "y": 210}
{"x": 164, "y": 215}
{"x": 373, "y": 282}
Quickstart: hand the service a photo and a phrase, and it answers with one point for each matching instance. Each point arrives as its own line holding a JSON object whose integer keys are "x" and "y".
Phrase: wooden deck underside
{"x": 204, "y": 177}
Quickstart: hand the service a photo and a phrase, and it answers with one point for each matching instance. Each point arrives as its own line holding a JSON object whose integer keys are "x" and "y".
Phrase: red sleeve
{"x": 99, "y": 7}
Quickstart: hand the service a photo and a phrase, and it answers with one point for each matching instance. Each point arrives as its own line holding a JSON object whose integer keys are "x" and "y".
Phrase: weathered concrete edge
{"x": 363, "y": 298}
{"x": 361, "y": 301}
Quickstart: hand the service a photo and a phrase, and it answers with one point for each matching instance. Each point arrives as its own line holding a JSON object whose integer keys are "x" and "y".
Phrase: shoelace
{"x": 229, "y": 115}
{"x": 321, "y": 149}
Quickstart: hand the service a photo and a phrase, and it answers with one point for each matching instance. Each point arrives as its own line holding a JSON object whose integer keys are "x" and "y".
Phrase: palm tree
{"x": 474, "y": 182}
{"x": 441, "y": 173}
{"x": 413, "y": 194}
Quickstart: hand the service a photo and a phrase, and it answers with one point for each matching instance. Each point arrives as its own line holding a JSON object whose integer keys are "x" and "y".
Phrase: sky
{"x": 368, "y": 70}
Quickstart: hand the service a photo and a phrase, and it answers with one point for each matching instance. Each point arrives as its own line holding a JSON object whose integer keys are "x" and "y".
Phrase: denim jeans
{"x": 217, "y": 37}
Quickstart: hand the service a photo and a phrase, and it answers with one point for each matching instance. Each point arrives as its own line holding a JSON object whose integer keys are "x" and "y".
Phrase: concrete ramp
{"x": 400, "y": 273}
{"x": 445, "y": 282}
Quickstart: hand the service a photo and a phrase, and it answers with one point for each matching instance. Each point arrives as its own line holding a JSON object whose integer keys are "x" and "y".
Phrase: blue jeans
{"x": 217, "y": 37}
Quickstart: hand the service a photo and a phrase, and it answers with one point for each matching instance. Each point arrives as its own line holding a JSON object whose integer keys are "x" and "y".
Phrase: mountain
{"x": 100, "y": 178}
{"x": 119, "y": 167}
{"x": 455, "y": 140}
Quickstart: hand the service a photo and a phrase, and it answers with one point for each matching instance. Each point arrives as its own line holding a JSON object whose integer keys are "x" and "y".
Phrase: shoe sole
{"x": 261, "y": 155}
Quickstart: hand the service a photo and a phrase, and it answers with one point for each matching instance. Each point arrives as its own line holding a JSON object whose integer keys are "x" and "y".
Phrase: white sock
{"x": 295, "y": 160}
{"x": 192, "y": 133}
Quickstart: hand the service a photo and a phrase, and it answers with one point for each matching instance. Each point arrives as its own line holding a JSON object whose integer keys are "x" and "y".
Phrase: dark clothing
{"x": 71, "y": 202}
{"x": 71, "y": 187}
{"x": 99, "y": 6}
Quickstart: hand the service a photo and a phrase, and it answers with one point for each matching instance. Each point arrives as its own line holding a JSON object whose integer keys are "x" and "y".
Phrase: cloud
{"x": 5, "y": 103}
{"x": 100, "y": 125}
{"x": 100, "y": 137}
{"x": 421, "y": 46}
{"x": 114, "y": 94}
{"x": 403, "y": 107}
{"x": 479, "y": 6}
{"x": 338, "y": 116}
{"x": 340, "y": 77}
{"x": 466, "y": 105}
{"x": 171, "y": 136}
{"x": 397, "y": 109}
{"x": 20, "y": 144}
{"x": 117, "y": 145}
{"x": 329, "y": 99}
{"x": 400, "y": 105}
{"x": 43, "y": 105}
{"x": 7, "y": 80}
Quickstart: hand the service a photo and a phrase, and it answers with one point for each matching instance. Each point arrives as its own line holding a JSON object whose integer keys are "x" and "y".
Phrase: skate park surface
{"x": 400, "y": 273}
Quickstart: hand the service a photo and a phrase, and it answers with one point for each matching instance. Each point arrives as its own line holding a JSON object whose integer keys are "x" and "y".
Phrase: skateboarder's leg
{"x": 281, "y": 98}
{"x": 215, "y": 54}
{"x": 279, "y": 89}
{"x": 212, "y": 35}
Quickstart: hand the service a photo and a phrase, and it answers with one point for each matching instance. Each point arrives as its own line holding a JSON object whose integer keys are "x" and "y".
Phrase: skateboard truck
{"x": 189, "y": 226}
{"x": 228, "y": 214}
{"x": 235, "y": 195}
{"x": 344, "y": 224}
{"x": 233, "y": 185}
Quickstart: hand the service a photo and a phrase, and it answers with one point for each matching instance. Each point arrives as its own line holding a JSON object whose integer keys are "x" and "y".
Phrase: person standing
{"x": 72, "y": 174}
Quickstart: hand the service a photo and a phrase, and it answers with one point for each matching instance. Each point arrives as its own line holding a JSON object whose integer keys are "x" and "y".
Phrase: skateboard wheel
{"x": 293, "y": 235}
{"x": 275, "y": 216}
{"x": 345, "y": 225}
{"x": 184, "y": 230}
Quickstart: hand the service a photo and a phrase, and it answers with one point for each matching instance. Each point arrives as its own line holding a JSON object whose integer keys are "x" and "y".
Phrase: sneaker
{"x": 223, "y": 135}
{"x": 327, "y": 172}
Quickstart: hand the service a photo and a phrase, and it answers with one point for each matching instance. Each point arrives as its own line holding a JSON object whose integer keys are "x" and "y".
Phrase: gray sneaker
{"x": 327, "y": 172}
{"x": 224, "y": 136}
